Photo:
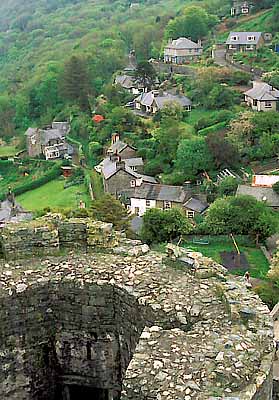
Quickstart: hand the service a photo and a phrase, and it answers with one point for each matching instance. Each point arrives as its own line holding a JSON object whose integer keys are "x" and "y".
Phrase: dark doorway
{"x": 87, "y": 393}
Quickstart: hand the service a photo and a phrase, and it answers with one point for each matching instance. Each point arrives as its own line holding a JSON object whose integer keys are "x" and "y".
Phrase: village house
{"x": 50, "y": 142}
{"x": 262, "y": 97}
{"x": 129, "y": 83}
{"x": 244, "y": 41}
{"x": 182, "y": 50}
{"x": 118, "y": 177}
{"x": 109, "y": 163}
{"x": 164, "y": 197}
{"x": 264, "y": 194}
{"x": 155, "y": 100}
{"x": 240, "y": 7}
{"x": 124, "y": 150}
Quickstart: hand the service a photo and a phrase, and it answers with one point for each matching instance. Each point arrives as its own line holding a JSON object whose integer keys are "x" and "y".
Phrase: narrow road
{"x": 219, "y": 56}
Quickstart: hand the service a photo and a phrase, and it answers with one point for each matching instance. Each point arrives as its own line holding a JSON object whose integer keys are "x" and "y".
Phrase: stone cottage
{"x": 148, "y": 195}
{"x": 153, "y": 101}
{"x": 244, "y": 41}
{"x": 262, "y": 97}
{"x": 124, "y": 150}
{"x": 182, "y": 50}
{"x": 119, "y": 177}
{"x": 50, "y": 142}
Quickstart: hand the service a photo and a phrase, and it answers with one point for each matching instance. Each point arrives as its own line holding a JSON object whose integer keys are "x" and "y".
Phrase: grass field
{"x": 7, "y": 151}
{"x": 53, "y": 195}
{"x": 257, "y": 260}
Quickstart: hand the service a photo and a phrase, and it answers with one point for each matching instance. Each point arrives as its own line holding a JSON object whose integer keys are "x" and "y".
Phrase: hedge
{"x": 213, "y": 128}
{"x": 54, "y": 173}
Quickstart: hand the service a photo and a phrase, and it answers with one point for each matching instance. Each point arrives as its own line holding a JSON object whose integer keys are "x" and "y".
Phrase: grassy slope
{"x": 53, "y": 195}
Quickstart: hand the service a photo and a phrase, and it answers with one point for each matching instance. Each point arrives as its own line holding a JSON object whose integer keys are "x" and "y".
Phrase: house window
{"x": 148, "y": 203}
{"x": 251, "y": 38}
{"x": 234, "y": 38}
{"x": 232, "y": 47}
{"x": 167, "y": 205}
{"x": 250, "y": 47}
{"x": 133, "y": 168}
{"x": 255, "y": 102}
{"x": 133, "y": 183}
{"x": 190, "y": 214}
{"x": 268, "y": 104}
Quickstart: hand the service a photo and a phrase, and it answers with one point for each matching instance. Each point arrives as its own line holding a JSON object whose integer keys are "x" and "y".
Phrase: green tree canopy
{"x": 195, "y": 22}
{"x": 240, "y": 215}
{"x": 193, "y": 157}
{"x": 162, "y": 226}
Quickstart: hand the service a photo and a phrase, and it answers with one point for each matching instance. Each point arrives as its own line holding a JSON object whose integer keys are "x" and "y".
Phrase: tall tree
{"x": 75, "y": 82}
{"x": 145, "y": 74}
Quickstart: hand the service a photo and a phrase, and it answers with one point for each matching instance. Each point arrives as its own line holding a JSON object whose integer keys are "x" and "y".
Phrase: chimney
{"x": 120, "y": 164}
{"x": 114, "y": 138}
{"x": 200, "y": 43}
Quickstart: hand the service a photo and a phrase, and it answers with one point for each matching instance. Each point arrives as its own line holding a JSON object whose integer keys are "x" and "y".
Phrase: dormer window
{"x": 234, "y": 38}
{"x": 251, "y": 38}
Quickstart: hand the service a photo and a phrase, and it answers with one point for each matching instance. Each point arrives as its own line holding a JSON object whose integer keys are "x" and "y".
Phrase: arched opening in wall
{"x": 86, "y": 393}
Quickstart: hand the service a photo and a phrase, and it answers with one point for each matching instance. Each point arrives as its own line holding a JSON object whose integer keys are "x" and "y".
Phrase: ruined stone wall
{"x": 49, "y": 235}
{"x": 64, "y": 335}
{"x": 139, "y": 326}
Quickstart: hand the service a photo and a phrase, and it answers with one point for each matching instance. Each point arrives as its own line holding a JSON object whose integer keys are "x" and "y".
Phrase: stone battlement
{"x": 129, "y": 327}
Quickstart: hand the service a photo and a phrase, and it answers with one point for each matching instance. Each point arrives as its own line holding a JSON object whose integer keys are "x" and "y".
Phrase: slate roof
{"x": 260, "y": 193}
{"x": 148, "y": 98}
{"x": 108, "y": 167}
{"x": 183, "y": 43}
{"x": 119, "y": 146}
{"x": 196, "y": 205}
{"x": 30, "y": 132}
{"x": 51, "y": 134}
{"x": 263, "y": 92}
{"x": 126, "y": 81}
{"x": 243, "y": 37}
{"x": 161, "y": 192}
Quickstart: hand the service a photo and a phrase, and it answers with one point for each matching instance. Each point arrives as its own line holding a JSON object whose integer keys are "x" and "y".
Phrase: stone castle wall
{"x": 137, "y": 327}
{"x": 49, "y": 235}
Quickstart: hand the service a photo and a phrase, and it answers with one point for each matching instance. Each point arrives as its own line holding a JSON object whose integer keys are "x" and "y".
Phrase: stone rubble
{"x": 205, "y": 337}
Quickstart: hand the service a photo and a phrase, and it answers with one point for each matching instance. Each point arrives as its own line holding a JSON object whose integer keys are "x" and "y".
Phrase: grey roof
{"x": 161, "y": 192}
{"x": 108, "y": 167}
{"x": 183, "y": 43}
{"x": 196, "y": 205}
{"x": 161, "y": 99}
{"x": 30, "y": 131}
{"x": 242, "y": 37}
{"x": 267, "y": 195}
{"x": 51, "y": 134}
{"x": 263, "y": 92}
{"x": 126, "y": 81}
{"x": 119, "y": 146}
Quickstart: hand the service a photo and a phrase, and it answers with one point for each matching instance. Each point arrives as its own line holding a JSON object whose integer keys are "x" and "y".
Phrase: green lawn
{"x": 7, "y": 151}
{"x": 258, "y": 262}
{"x": 53, "y": 195}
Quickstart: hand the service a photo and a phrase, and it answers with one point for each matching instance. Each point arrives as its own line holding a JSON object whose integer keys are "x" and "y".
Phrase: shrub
{"x": 162, "y": 226}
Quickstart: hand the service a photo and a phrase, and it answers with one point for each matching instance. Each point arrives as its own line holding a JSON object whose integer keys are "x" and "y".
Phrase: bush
{"x": 268, "y": 292}
{"x": 163, "y": 226}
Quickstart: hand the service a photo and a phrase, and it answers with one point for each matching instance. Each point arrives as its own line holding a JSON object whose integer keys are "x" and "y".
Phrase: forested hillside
{"x": 37, "y": 38}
